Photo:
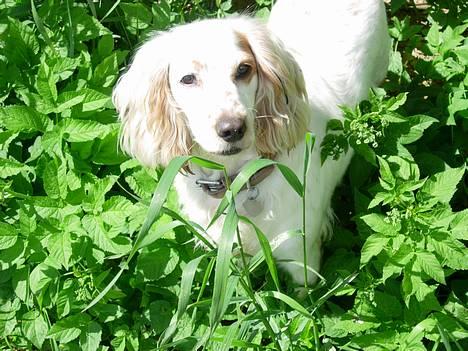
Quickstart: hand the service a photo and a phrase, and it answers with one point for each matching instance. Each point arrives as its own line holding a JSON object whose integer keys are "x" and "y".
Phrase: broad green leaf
{"x": 22, "y": 118}
{"x": 90, "y": 337}
{"x": 10, "y": 168}
{"x": 60, "y": 248}
{"x": 386, "y": 340}
{"x": 158, "y": 262}
{"x": 136, "y": 15}
{"x": 386, "y": 174}
{"x": 116, "y": 210}
{"x": 433, "y": 35}
{"x": 431, "y": 266}
{"x": 345, "y": 324}
{"x": 418, "y": 124}
{"x": 378, "y": 224}
{"x": 94, "y": 100}
{"x": 106, "y": 72}
{"x": 68, "y": 329}
{"x": 101, "y": 237}
{"x": 20, "y": 283}
{"x": 158, "y": 231}
{"x": 55, "y": 179}
{"x": 21, "y": 44}
{"x": 8, "y": 235}
{"x": 97, "y": 193}
{"x": 441, "y": 186}
{"x": 41, "y": 276}
{"x": 35, "y": 328}
{"x": 85, "y": 27}
{"x": 396, "y": 102}
{"x": 68, "y": 99}
{"x": 372, "y": 247}
{"x": 77, "y": 130}
{"x": 459, "y": 225}
{"x": 45, "y": 83}
{"x": 160, "y": 313}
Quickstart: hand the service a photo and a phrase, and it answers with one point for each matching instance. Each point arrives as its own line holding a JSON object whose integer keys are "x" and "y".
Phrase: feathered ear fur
{"x": 281, "y": 102}
{"x": 153, "y": 128}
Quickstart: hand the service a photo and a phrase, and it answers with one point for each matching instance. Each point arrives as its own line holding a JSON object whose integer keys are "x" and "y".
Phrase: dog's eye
{"x": 189, "y": 79}
{"x": 243, "y": 70}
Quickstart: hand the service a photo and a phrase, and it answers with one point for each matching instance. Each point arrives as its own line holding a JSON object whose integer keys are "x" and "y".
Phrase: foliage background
{"x": 71, "y": 204}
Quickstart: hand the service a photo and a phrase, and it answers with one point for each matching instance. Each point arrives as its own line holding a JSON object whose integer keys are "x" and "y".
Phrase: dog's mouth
{"x": 230, "y": 151}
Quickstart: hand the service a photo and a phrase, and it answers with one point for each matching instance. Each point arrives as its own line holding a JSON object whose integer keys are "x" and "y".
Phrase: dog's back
{"x": 341, "y": 46}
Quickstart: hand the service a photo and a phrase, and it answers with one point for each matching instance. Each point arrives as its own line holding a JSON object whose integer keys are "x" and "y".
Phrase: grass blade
{"x": 267, "y": 252}
{"x": 159, "y": 197}
{"x": 222, "y": 265}
{"x": 247, "y": 172}
{"x": 106, "y": 289}
{"x": 158, "y": 233}
{"x": 185, "y": 289}
{"x": 259, "y": 257}
{"x": 289, "y": 301}
{"x": 40, "y": 25}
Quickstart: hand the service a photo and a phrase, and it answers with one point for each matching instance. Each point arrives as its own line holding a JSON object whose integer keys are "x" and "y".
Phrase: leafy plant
{"x": 83, "y": 266}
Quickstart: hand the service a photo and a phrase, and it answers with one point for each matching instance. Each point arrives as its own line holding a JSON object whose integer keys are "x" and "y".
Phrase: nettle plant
{"x": 92, "y": 257}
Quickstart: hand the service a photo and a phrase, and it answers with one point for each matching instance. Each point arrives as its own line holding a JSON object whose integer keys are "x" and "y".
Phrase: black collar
{"x": 217, "y": 188}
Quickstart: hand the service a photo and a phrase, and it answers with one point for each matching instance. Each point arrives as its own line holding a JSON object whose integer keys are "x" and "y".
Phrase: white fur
{"x": 341, "y": 48}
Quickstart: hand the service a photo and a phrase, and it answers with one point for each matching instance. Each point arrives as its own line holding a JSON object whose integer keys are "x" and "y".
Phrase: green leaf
{"x": 441, "y": 186}
{"x": 220, "y": 294}
{"x": 378, "y": 224}
{"x": 68, "y": 329}
{"x": 78, "y": 130}
{"x": 106, "y": 72}
{"x": 459, "y": 225}
{"x": 396, "y": 102}
{"x": 136, "y": 15}
{"x": 433, "y": 35}
{"x": 116, "y": 210}
{"x": 431, "y": 266}
{"x": 101, "y": 237}
{"x": 94, "y": 100}
{"x": 86, "y": 27}
{"x": 55, "y": 179}
{"x": 21, "y": 46}
{"x": 60, "y": 248}
{"x": 45, "y": 83}
{"x": 157, "y": 263}
{"x": 334, "y": 124}
{"x": 418, "y": 124}
{"x": 289, "y": 301}
{"x": 386, "y": 174}
{"x": 372, "y": 247}
{"x": 41, "y": 276}
{"x": 34, "y": 328}
{"x": 8, "y": 235}
{"x": 188, "y": 275}
{"x": 68, "y": 99}
{"x": 90, "y": 337}
{"x": 22, "y": 118}
{"x": 10, "y": 168}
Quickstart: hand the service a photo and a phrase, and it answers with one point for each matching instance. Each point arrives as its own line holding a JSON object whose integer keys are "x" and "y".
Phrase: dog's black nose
{"x": 231, "y": 129}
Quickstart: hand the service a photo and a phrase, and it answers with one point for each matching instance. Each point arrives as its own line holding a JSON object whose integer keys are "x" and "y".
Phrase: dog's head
{"x": 214, "y": 88}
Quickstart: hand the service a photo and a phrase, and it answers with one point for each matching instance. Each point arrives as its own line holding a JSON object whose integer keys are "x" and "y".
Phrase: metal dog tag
{"x": 251, "y": 205}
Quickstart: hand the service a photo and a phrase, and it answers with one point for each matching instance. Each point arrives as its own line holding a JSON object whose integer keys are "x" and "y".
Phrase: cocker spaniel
{"x": 232, "y": 90}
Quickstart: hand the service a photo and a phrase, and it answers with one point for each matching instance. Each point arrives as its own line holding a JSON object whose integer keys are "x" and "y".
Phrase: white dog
{"x": 233, "y": 90}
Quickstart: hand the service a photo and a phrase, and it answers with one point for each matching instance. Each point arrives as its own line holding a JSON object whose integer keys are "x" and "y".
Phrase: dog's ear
{"x": 281, "y": 101}
{"x": 153, "y": 128}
